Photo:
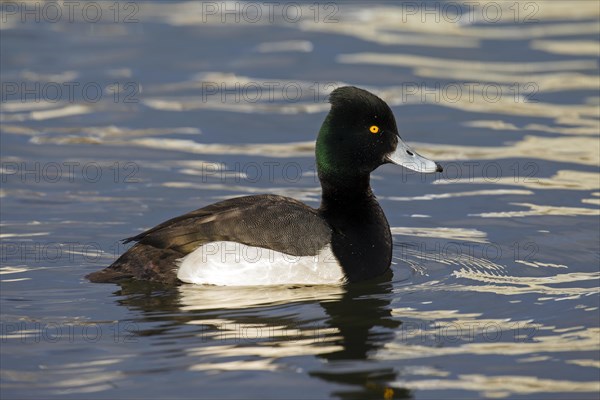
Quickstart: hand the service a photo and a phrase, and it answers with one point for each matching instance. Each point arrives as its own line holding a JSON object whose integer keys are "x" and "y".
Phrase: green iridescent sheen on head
{"x": 346, "y": 146}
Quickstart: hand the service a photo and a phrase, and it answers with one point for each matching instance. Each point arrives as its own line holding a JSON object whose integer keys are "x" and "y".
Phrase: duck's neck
{"x": 346, "y": 193}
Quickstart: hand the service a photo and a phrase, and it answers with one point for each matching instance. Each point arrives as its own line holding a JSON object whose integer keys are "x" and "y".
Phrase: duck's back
{"x": 281, "y": 224}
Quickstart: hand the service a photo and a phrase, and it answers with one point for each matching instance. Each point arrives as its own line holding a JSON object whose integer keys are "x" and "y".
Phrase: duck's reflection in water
{"x": 363, "y": 317}
{"x": 341, "y": 326}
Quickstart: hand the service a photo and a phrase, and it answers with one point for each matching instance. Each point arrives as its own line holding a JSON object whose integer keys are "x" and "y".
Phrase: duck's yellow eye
{"x": 374, "y": 129}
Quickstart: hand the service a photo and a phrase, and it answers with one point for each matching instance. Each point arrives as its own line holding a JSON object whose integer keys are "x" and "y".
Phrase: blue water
{"x": 111, "y": 127}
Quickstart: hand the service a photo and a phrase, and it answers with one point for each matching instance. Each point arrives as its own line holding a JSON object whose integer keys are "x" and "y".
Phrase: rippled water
{"x": 494, "y": 290}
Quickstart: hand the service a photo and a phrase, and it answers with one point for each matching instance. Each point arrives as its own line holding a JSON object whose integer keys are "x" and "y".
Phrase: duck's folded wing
{"x": 272, "y": 222}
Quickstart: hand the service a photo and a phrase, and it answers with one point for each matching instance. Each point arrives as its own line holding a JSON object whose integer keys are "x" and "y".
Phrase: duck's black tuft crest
{"x": 345, "y": 95}
{"x": 352, "y": 100}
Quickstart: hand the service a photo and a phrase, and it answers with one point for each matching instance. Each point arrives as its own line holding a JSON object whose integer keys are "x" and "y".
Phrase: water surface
{"x": 494, "y": 291}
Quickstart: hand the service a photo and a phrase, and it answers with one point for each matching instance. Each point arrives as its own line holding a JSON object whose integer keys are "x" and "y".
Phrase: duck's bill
{"x": 408, "y": 158}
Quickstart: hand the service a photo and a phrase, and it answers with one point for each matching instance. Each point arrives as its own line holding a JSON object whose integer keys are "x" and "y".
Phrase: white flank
{"x": 234, "y": 264}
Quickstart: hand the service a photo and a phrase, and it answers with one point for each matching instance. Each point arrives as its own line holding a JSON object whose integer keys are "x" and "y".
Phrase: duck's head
{"x": 360, "y": 134}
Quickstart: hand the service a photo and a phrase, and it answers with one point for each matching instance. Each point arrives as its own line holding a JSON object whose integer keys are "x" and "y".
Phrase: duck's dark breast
{"x": 361, "y": 241}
